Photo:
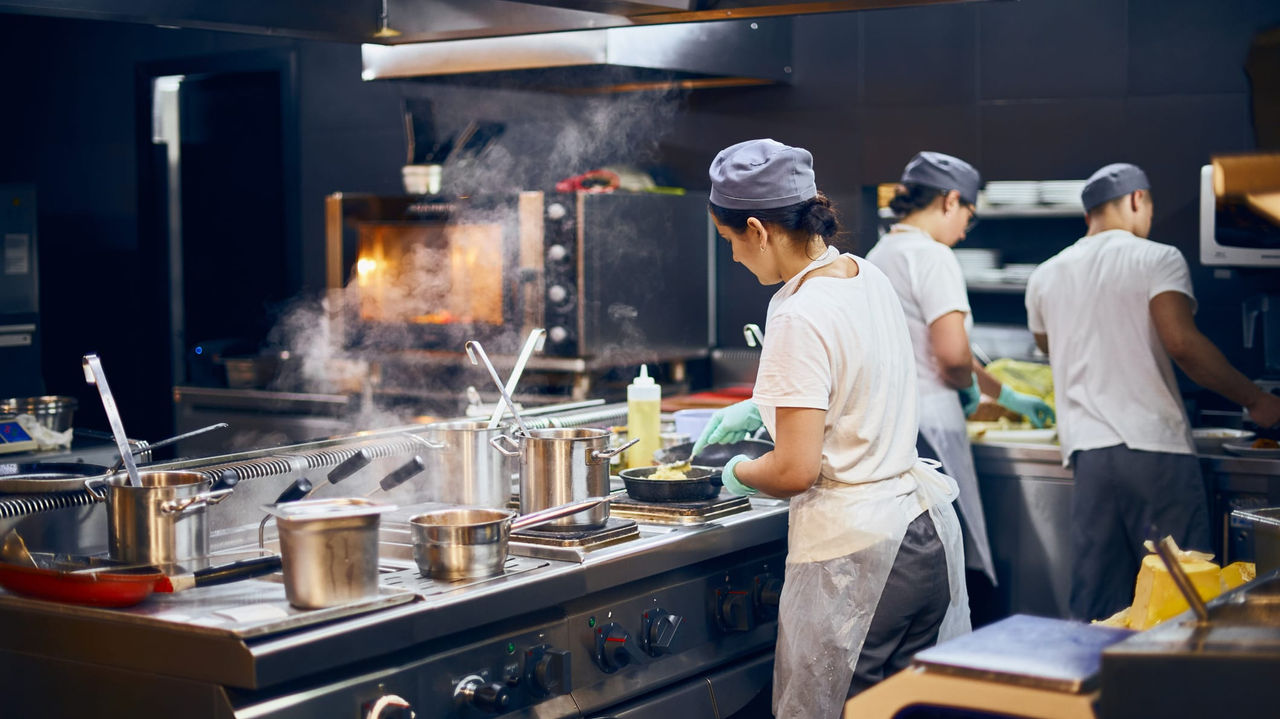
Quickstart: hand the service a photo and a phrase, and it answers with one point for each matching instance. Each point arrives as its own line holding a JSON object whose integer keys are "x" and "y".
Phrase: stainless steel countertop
{"x": 1052, "y": 454}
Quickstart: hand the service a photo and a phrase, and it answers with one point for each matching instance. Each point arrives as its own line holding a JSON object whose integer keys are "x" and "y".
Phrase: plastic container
{"x": 644, "y": 420}
{"x": 692, "y": 421}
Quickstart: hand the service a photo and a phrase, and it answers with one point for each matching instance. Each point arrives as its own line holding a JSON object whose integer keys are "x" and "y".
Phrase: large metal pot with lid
{"x": 561, "y": 465}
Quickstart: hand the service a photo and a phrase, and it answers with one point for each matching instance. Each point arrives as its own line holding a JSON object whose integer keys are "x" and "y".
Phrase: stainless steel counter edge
{"x": 271, "y": 660}
{"x": 1052, "y": 454}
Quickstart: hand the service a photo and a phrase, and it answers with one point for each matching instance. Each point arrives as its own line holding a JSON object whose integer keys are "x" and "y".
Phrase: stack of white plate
{"x": 1018, "y": 272}
{"x": 1061, "y": 192}
{"x": 978, "y": 263}
{"x": 1003, "y": 192}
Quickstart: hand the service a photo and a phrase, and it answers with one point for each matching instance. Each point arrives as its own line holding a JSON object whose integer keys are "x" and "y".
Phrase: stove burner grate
{"x": 680, "y": 512}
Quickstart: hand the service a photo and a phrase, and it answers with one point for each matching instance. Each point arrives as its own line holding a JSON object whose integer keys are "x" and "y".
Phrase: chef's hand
{"x": 1033, "y": 408}
{"x": 969, "y": 396}
{"x": 731, "y": 481}
{"x": 730, "y": 424}
{"x": 1265, "y": 411}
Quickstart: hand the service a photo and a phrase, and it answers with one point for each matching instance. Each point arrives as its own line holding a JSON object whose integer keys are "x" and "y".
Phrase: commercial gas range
{"x": 676, "y": 618}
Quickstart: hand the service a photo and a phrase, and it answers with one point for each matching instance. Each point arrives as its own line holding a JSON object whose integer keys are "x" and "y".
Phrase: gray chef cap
{"x": 943, "y": 172}
{"x": 761, "y": 175}
{"x": 1112, "y": 181}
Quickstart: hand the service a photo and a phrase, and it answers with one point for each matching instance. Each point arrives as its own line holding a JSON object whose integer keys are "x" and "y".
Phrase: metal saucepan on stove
{"x": 699, "y": 483}
{"x": 463, "y": 468}
{"x": 561, "y": 465}
{"x": 163, "y": 521}
{"x": 471, "y": 542}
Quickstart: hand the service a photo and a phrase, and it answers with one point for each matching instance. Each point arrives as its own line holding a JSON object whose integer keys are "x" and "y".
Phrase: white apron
{"x": 942, "y": 424}
{"x": 842, "y": 542}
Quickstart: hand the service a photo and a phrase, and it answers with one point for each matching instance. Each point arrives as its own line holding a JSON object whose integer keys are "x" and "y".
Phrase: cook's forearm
{"x": 772, "y": 476}
{"x": 1206, "y": 366}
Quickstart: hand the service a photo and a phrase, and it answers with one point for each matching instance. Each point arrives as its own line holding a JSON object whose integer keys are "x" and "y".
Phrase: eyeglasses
{"x": 973, "y": 218}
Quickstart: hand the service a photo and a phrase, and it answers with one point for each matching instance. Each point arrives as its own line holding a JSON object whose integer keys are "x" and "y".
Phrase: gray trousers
{"x": 911, "y": 608}
{"x": 1122, "y": 497}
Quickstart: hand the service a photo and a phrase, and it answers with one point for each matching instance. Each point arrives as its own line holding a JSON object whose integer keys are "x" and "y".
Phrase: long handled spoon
{"x": 94, "y": 375}
{"x": 473, "y": 349}
{"x": 537, "y": 338}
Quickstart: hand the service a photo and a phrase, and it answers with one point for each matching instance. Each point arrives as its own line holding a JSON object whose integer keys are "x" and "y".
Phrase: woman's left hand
{"x": 1033, "y": 408}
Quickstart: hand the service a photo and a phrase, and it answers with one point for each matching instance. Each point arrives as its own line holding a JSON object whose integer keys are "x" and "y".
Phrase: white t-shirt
{"x": 927, "y": 278}
{"x": 1113, "y": 381}
{"x": 841, "y": 345}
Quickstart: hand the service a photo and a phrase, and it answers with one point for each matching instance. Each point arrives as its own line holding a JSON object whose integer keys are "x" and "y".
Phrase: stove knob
{"x": 660, "y": 629}
{"x": 389, "y": 706}
{"x": 768, "y": 590}
{"x": 556, "y": 211}
{"x": 613, "y": 647}
{"x": 558, "y": 334}
{"x": 555, "y": 253}
{"x": 547, "y": 671}
{"x": 488, "y": 697}
{"x": 734, "y": 610}
{"x": 557, "y": 293}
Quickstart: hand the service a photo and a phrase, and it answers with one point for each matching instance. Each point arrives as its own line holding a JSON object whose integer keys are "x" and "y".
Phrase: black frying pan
{"x": 699, "y": 483}
{"x": 713, "y": 455}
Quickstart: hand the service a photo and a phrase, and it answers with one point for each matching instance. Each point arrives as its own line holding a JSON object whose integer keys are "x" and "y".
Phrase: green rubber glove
{"x": 731, "y": 481}
{"x": 1033, "y": 408}
{"x": 970, "y": 396}
{"x": 730, "y": 424}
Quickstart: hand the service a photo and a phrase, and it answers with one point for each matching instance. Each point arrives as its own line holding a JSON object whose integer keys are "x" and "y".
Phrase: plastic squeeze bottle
{"x": 644, "y": 402}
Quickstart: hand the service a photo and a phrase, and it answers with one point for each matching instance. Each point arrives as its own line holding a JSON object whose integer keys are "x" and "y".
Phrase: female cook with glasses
{"x": 936, "y": 203}
{"x": 875, "y": 557}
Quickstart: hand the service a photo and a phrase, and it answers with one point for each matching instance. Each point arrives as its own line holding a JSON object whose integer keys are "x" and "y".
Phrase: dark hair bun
{"x": 912, "y": 197}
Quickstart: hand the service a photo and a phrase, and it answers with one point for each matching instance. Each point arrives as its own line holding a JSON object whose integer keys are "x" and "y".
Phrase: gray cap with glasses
{"x": 943, "y": 172}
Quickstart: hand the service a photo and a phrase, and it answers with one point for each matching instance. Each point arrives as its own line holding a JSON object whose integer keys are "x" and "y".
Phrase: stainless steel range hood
{"x": 615, "y": 59}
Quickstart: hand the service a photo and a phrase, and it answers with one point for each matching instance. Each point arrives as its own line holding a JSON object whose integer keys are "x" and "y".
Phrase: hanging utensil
{"x": 94, "y": 375}
{"x": 300, "y": 488}
{"x": 537, "y": 338}
{"x": 399, "y": 475}
{"x": 751, "y": 332}
{"x": 148, "y": 446}
{"x": 473, "y": 348}
{"x": 1168, "y": 552}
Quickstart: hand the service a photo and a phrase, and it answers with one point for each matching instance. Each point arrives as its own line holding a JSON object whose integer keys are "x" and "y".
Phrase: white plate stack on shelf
{"x": 979, "y": 264}
{"x": 1005, "y": 192}
{"x": 1061, "y": 192}
{"x": 1018, "y": 272}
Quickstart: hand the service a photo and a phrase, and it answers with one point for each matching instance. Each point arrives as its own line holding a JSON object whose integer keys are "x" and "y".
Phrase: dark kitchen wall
{"x": 1038, "y": 89}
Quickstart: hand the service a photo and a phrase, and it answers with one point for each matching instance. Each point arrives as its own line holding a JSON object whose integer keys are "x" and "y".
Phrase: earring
{"x": 762, "y": 248}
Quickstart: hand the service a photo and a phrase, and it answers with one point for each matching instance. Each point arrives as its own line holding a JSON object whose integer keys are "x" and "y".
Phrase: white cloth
{"x": 929, "y": 283}
{"x": 840, "y": 345}
{"x": 927, "y": 278}
{"x": 1113, "y": 380}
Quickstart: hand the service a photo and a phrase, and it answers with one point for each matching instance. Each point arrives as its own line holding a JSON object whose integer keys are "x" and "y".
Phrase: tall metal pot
{"x": 464, "y": 470}
{"x": 563, "y": 465}
{"x": 161, "y": 522}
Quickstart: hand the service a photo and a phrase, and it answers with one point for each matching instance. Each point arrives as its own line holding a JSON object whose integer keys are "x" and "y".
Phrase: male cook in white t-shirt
{"x": 1111, "y": 310}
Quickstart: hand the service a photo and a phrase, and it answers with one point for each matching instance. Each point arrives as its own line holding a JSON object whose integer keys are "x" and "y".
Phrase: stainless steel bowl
{"x": 329, "y": 548}
{"x": 52, "y": 411}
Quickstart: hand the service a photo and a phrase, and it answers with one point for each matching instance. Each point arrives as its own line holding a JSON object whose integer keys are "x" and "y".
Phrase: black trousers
{"x": 1122, "y": 497}
{"x": 910, "y": 612}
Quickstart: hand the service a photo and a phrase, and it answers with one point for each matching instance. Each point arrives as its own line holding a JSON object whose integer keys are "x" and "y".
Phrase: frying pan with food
{"x": 699, "y": 483}
{"x": 713, "y": 455}
{"x": 101, "y": 583}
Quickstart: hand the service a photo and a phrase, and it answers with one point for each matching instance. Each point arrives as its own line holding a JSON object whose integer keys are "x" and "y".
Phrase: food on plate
{"x": 992, "y": 412}
{"x": 1265, "y": 443}
{"x": 671, "y": 471}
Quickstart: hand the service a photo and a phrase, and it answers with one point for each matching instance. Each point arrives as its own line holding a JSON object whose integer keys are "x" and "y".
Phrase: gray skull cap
{"x": 1115, "y": 180}
{"x": 761, "y": 175}
{"x": 943, "y": 172}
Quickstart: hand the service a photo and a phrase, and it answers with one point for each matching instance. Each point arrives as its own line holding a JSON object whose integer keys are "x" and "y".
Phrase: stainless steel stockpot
{"x": 462, "y": 467}
{"x": 563, "y": 465}
{"x": 161, "y": 522}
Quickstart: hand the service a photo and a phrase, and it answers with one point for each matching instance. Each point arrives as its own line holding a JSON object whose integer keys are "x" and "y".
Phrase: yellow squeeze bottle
{"x": 644, "y": 405}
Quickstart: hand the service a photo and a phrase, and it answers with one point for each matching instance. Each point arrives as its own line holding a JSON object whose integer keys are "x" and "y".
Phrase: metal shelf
{"x": 1010, "y": 288}
{"x": 996, "y": 212}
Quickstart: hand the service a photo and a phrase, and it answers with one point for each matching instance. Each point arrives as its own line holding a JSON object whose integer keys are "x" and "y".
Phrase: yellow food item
{"x": 1156, "y": 597}
{"x": 1264, "y": 443}
{"x": 671, "y": 471}
{"x": 1237, "y": 573}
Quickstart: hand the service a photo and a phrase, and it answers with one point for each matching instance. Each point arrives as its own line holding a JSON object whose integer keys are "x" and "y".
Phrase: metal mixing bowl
{"x": 53, "y": 412}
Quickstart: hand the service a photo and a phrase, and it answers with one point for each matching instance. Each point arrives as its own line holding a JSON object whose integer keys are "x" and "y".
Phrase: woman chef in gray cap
{"x": 874, "y": 559}
{"x": 1111, "y": 310}
{"x": 936, "y": 205}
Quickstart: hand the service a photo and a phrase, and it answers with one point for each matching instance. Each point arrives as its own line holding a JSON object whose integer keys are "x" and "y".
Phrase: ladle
{"x": 537, "y": 338}
{"x": 473, "y": 348}
{"x": 94, "y": 375}
{"x": 751, "y": 332}
{"x": 148, "y": 446}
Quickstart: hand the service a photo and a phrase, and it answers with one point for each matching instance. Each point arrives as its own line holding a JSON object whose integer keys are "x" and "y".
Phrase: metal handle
{"x": 423, "y": 440}
{"x": 1250, "y": 310}
{"x": 754, "y": 337}
{"x": 181, "y": 506}
{"x": 387, "y": 701}
{"x": 94, "y": 375}
{"x": 89, "y": 487}
{"x": 473, "y": 349}
{"x": 613, "y": 451}
{"x": 541, "y": 517}
{"x": 537, "y": 338}
{"x": 1165, "y": 548}
{"x": 496, "y": 444}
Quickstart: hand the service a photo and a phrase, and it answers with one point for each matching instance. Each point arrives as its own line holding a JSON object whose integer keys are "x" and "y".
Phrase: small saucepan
{"x": 471, "y": 542}
{"x": 699, "y": 483}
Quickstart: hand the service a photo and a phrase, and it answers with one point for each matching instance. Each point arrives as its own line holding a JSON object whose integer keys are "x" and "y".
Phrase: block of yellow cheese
{"x": 1156, "y": 597}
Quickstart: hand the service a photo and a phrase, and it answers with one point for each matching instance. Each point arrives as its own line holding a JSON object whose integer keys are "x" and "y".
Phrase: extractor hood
{"x": 611, "y": 60}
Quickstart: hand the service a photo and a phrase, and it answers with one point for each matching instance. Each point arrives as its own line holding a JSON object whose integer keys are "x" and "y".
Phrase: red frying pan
{"x": 102, "y": 586}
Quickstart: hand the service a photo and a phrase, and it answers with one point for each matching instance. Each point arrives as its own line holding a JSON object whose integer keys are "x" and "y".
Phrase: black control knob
{"x": 734, "y": 610}
{"x": 547, "y": 671}
{"x": 613, "y": 647}
{"x": 660, "y": 628}
{"x": 488, "y": 697}
{"x": 768, "y": 591}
